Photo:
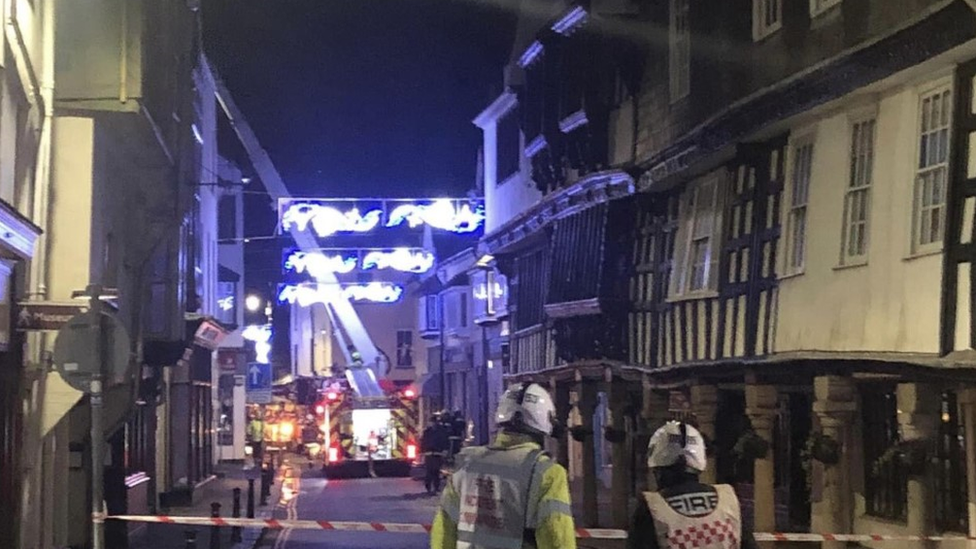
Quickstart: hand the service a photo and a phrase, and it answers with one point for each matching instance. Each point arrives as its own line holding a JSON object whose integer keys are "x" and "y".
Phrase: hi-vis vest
{"x": 718, "y": 529}
{"x": 499, "y": 496}
{"x": 257, "y": 430}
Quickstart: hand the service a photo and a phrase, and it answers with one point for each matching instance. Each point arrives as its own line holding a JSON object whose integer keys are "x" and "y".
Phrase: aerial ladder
{"x": 349, "y": 327}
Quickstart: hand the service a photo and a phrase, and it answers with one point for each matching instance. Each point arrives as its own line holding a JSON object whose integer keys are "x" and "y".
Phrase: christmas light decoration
{"x": 481, "y": 291}
{"x": 309, "y": 294}
{"x": 571, "y": 21}
{"x": 440, "y": 214}
{"x": 226, "y": 303}
{"x": 327, "y": 220}
{"x": 401, "y": 259}
{"x": 318, "y": 264}
{"x": 261, "y": 336}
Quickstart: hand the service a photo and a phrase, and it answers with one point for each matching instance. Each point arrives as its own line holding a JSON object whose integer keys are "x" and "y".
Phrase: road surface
{"x": 307, "y": 495}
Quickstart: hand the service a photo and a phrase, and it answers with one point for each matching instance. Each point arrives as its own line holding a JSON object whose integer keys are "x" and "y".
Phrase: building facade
{"x": 753, "y": 215}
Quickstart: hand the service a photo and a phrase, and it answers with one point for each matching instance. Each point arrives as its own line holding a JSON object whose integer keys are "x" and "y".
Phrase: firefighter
{"x": 510, "y": 493}
{"x": 356, "y": 356}
{"x": 434, "y": 444}
{"x": 682, "y": 506}
{"x": 256, "y": 430}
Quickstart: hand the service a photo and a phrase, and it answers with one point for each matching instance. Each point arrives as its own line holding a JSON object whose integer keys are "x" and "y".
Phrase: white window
{"x": 932, "y": 170}
{"x": 857, "y": 201}
{"x": 696, "y": 255}
{"x": 767, "y": 17}
{"x": 796, "y": 218}
{"x": 680, "y": 50}
{"x": 820, "y": 6}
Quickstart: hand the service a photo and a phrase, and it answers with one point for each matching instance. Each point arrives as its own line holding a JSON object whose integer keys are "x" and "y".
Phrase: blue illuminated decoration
{"x": 318, "y": 264}
{"x": 261, "y": 336}
{"x": 405, "y": 260}
{"x": 310, "y": 294}
{"x": 571, "y": 21}
{"x": 327, "y": 220}
{"x": 226, "y": 303}
{"x": 329, "y": 217}
{"x": 440, "y": 214}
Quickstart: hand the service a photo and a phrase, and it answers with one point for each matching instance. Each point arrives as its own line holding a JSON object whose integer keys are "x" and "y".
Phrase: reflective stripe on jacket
{"x": 700, "y": 524}
{"x": 508, "y": 495}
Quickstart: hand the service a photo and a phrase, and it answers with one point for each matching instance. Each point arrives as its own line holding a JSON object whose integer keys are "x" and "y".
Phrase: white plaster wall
{"x": 505, "y": 199}
{"x": 892, "y": 302}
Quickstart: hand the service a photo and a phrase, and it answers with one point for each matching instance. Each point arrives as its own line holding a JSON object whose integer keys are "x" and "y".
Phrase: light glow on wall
{"x": 261, "y": 336}
{"x": 306, "y": 295}
{"x": 405, "y": 260}
{"x": 440, "y": 214}
{"x": 317, "y": 264}
{"x": 328, "y": 220}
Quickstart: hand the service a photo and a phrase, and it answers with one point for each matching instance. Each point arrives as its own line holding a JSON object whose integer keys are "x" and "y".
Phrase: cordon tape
{"x": 412, "y": 528}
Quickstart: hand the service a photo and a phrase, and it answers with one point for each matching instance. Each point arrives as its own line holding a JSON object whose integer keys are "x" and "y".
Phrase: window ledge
{"x": 795, "y": 274}
{"x": 923, "y": 253}
{"x": 760, "y": 36}
{"x": 855, "y": 265}
{"x": 692, "y": 296}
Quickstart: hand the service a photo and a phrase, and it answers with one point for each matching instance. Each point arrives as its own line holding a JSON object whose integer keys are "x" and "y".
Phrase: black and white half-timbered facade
{"x": 756, "y": 215}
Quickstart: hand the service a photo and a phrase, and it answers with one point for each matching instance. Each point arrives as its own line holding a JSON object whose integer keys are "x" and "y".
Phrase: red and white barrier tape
{"x": 395, "y": 527}
{"x": 412, "y": 528}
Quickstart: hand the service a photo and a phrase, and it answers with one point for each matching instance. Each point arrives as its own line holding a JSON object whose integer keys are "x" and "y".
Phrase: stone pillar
{"x": 560, "y": 395}
{"x": 620, "y": 455}
{"x": 761, "y": 407}
{"x": 967, "y": 400}
{"x": 654, "y": 414}
{"x": 587, "y": 407}
{"x": 918, "y": 419}
{"x": 704, "y": 404}
{"x": 835, "y": 406}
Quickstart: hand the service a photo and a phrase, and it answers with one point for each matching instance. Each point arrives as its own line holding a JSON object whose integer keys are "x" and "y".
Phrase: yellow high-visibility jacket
{"x": 256, "y": 428}
{"x": 554, "y": 526}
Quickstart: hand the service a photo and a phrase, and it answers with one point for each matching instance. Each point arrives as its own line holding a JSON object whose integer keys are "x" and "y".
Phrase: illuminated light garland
{"x": 226, "y": 303}
{"x": 440, "y": 214}
{"x": 317, "y": 264}
{"x": 401, "y": 259}
{"x": 327, "y": 221}
{"x": 309, "y": 294}
{"x": 261, "y": 336}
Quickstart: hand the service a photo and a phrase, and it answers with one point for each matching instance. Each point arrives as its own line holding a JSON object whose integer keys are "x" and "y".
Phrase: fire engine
{"x": 368, "y": 430}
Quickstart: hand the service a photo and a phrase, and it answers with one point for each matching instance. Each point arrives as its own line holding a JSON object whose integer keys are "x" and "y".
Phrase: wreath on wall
{"x": 913, "y": 456}
{"x": 751, "y": 446}
{"x": 579, "y": 433}
{"x": 614, "y": 436}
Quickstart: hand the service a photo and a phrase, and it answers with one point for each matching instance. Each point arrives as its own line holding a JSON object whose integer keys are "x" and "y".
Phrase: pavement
{"x": 220, "y": 490}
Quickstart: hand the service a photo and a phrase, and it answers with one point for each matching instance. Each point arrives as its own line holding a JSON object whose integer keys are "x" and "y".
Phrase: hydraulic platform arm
{"x": 341, "y": 310}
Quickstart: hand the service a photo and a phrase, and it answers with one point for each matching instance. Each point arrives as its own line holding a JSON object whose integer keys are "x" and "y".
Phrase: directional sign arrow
{"x": 255, "y": 376}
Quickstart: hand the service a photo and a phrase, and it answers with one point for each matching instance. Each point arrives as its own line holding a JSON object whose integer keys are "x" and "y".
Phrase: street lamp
{"x": 253, "y": 303}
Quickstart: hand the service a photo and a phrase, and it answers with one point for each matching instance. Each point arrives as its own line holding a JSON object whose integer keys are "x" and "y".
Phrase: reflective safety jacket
{"x": 509, "y": 495}
{"x": 256, "y": 428}
{"x": 702, "y": 520}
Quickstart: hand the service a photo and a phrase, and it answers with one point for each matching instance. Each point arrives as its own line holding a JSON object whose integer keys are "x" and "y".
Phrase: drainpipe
{"x": 42, "y": 173}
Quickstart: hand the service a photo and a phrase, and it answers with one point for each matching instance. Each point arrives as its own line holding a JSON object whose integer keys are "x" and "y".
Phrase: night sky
{"x": 358, "y": 98}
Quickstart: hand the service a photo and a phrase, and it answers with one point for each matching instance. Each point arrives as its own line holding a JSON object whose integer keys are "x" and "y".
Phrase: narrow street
{"x": 369, "y": 500}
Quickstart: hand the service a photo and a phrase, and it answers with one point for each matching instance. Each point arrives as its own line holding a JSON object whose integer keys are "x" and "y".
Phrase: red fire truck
{"x": 368, "y": 430}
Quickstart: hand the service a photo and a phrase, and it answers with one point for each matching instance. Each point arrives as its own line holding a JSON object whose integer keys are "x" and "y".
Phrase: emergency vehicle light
{"x": 411, "y": 451}
{"x": 333, "y": 454}
{"x": 409, "y": 393}
{"x": 332, "y": 395}
{"x": 320, "y": 409}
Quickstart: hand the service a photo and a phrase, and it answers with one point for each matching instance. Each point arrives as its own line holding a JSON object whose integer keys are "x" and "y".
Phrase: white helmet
{"x": 676, "y": 442}
{"x": 527, "y": 405}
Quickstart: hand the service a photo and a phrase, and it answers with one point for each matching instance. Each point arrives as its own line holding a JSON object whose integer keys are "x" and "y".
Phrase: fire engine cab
{"x": 369, "y": 430}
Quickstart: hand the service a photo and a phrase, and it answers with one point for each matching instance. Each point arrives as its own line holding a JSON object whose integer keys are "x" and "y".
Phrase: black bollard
{"x": 235, "y": 534}
{"x": 215, "y": 530}
{"x": 250, "y": 498}
{"x": 191, "y": 539}
{"x": 265, "y": 487}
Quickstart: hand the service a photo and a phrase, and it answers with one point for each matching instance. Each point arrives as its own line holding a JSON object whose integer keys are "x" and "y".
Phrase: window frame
{"x": 824, "y": 7}
{"x": 681, "y": 283}
{"x": 804, "y": 140}
{"x": 760, "y": 29}
{"x": 400, "y": 345}
{"x": 936, "y": 88}
{"x": 854, "y": 121}
{"x": 679, "y": 62}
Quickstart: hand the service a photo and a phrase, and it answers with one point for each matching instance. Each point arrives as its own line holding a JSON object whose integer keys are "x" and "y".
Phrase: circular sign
{"x": 74, "y": 351}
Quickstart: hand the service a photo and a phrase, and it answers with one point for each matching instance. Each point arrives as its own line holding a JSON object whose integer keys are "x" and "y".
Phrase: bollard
{"x": 265, "y": 487}
{"x": 271, "y": 470}
{"x": 235, "y": 534}
{"x": 215, "y": 530}
{"x": 250, "y": 498}
{"x": 191, "y": 539}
